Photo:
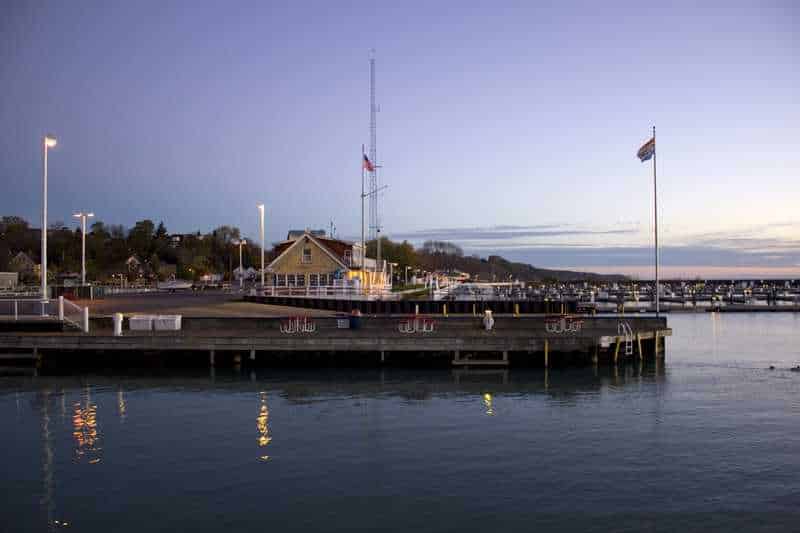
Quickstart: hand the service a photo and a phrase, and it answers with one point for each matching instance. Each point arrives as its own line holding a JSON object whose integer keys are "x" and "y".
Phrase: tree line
{"x": 109, "y": 248}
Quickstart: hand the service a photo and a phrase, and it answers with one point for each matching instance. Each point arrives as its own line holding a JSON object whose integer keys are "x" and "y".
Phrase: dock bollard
{"x": 86, "y": 320}
{"x": 444, "y": 309}
{"x": 117, "y": 324}
{"x": 61, "y": 308}
{"x": 516, "y": 310}
{"x": 416, "y": 309}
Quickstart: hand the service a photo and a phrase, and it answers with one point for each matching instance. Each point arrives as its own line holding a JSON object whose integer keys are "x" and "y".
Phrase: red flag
{"x": 367, "y": 164}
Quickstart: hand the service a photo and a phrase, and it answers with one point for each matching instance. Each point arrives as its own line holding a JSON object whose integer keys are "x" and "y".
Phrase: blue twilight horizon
{"x": 508, "y": 127}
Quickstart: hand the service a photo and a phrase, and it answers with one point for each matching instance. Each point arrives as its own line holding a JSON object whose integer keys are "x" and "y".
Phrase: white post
{"x": 86, "y": 319}
{"x": 655, "y": 216}
{"x": 16, "y": 310}
{"x": 83, "y": 249}
{"x": 44, "y": 221}
{"x": 261, "y": 212}
{"x": 117, "y": 324}
{"x": 241, "y": 272}
{"x": 61, "y": 308}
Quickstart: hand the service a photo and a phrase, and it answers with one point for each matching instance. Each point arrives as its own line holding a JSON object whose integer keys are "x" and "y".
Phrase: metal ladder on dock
{"x": 623, "y": 328}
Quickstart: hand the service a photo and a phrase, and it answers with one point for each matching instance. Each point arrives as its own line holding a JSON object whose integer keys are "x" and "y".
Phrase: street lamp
{"x": 83, "y": 216}
{"x": 48, "y": 141}
{"x": 241, "y": 242}
{"x": 261, "y": 215}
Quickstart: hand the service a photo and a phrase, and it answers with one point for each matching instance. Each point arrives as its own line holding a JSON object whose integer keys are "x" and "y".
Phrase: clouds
{"x": 750, "y": 251}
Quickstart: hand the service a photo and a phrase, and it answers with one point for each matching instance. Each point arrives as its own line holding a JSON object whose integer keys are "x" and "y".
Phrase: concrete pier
{"x": 514, "y": 340}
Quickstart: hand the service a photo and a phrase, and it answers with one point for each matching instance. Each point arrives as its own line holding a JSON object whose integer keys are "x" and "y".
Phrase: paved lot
{"x": 205, "y": 304}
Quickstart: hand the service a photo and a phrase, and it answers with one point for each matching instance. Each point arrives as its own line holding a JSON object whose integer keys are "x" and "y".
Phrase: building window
{"x": 313, "y": 280}
{"x": 348, "y": 257}
{"x": 296, "y": 280}
{"x": 323, "y": 280}
{"x": 280, "y": 280}
{"x": 306, "y": 257}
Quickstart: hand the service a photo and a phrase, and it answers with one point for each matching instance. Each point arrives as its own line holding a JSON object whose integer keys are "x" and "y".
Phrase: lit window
{"x": 306, "y": 258}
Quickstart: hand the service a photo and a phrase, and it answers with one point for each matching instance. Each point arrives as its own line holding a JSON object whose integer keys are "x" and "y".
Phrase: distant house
{"x": 309, "y": 260}
{"x": 247, "y": 273}
{"x": 134, "y": 265}
{"x": 21, "y": 263}
{"x": 177, "y": 239}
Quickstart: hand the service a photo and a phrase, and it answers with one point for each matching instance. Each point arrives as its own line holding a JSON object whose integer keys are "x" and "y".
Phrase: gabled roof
{"x": 332, "y": 247}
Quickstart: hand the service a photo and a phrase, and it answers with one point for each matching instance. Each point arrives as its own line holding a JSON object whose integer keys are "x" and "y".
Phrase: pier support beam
{"x": 211, "y": 357}
{"x": 639, "y": 345}
{"x": 252, "y": 354}
{"x": 616, "y": 350}
{"x": 505, "y": 355}
{"x": 383, "y": 356}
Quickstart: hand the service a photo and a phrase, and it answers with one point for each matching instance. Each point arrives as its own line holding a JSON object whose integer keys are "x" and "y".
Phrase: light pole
{"x": 261, "y": 220}
{"x": 241, "y": 243}
{"x": 48, "y": 141}
{"x": 83, "y": 216}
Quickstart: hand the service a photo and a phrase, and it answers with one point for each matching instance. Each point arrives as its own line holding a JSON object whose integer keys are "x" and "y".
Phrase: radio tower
{"x": 374, "y": 219}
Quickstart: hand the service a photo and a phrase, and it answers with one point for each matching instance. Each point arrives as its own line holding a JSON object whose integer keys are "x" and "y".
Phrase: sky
{"x": 509, "y": 128}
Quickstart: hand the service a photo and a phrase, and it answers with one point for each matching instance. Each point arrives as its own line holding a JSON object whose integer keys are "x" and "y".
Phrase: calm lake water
{"x": 710, "y": 440}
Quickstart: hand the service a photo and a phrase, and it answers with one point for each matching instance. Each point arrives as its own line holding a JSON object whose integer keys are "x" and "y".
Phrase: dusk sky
{"x": 507, "y": 128}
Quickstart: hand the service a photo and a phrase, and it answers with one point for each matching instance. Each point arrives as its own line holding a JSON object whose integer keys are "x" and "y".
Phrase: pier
{"x": 400, "y": 340}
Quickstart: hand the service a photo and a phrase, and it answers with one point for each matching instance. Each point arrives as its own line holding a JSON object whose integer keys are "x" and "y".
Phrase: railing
{"x": 61, "y": 309}
{"x": 332, "y": 291}
{"x": 74, "y": 314}
{"x": 17, "y": 308}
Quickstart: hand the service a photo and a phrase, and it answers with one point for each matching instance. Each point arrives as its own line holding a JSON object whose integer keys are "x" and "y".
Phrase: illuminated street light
{"x": 241, "y": 242}
{"x": 83, "y": 217}
{"x": 48, "y": 141}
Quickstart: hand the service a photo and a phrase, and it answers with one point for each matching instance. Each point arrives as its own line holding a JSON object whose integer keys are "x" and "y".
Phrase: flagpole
{"x": 363, "y": 244}
{"x": 655, "y": 214}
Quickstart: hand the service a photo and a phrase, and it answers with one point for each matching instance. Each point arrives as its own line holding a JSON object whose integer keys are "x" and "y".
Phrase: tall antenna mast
{"x": 374, "y": 228}
{"x": 374, "y": 214}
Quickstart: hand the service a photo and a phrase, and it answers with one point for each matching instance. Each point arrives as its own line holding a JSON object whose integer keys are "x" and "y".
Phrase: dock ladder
{"x": 624, "y": 328}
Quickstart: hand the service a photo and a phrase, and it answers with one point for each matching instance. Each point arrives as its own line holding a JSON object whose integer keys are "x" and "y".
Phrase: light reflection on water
{"x": 709, "y": 432}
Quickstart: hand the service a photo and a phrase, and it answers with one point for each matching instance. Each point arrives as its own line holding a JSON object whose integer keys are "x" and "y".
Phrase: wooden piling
{"x": 639, "y": 344}
{"x": 211, "y": 357}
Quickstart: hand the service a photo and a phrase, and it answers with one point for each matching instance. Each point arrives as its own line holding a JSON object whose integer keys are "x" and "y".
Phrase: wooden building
{"x": 311, "y": 260}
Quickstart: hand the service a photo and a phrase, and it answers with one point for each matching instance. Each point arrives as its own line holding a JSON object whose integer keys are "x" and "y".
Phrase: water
{"x": 708, "y": 441}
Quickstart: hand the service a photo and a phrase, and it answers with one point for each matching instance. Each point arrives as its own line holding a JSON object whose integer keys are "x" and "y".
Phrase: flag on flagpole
{"x": 367, "y": 164}
{"x": 647, "y": 150}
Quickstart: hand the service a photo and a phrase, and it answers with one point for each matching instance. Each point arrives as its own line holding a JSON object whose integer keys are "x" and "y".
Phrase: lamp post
{"x": 83, "y": 216}
{"x": 48, "y": 141}
{"x": 261, "y": 220}
{"x": 241, "y": 243}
